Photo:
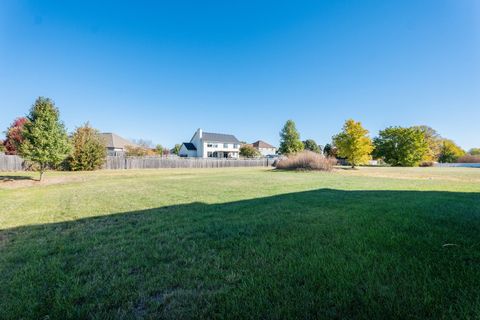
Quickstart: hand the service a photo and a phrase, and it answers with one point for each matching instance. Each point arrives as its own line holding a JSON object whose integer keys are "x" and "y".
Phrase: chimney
{"x": 200, "y": 133}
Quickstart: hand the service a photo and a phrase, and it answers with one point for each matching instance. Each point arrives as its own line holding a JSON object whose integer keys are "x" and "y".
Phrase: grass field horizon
{"x": 372, "y": 243}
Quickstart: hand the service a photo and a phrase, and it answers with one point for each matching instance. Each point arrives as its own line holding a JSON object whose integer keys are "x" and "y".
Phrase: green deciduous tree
{"x": 474, "y": 151}
{"x": 330, "y": 151}
{"x": 176, "y": 149}
{"x": 159, "y": 149}
{"x": 353, "y": 143}
{"x": 290, "y": 139}
{"x": 450, "y": 152}
{"x": 434, "y": 142}
{"x": 45, "y": 140}
{"x": 248, "y": 151}
{"x": 401, "y": 146}
{"x": 311, "y": 145}
{"x": 89, "y": 151}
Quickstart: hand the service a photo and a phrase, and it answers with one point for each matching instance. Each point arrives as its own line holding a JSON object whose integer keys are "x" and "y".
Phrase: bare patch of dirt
{"x": 12, "y": 182}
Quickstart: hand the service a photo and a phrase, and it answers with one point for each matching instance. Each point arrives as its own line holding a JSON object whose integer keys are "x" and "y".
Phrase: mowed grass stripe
{"x": 243, "y": 243}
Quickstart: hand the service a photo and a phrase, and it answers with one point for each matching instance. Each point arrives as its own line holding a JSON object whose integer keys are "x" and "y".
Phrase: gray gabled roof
{"x": 190, "y": 146}
{"x": 219, "y": 137}
{"x": 115, "y": 141}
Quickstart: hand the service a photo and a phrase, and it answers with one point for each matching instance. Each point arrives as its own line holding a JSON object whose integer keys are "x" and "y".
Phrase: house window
{"x": 209, "y": 154}
{"x": 235, "y": 146}
{"x": 225, "y": 145}
{"x": 212, "y": 145}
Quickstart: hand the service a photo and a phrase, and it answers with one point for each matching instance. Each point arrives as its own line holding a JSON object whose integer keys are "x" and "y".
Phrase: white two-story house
{"x": 211, "y": 145}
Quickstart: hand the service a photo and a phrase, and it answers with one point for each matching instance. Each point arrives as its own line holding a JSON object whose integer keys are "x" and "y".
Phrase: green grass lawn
{"x": 373, "y": 243}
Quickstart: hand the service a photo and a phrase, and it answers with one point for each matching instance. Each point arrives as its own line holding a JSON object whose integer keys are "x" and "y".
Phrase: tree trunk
{"x": 42, "y": 171}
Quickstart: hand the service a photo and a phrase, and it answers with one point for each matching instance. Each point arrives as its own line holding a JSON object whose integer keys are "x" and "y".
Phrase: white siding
{"x": 198, "y": 144}
{"x": 267, "y": 151}
{"x": 184, "y": 152}
{"x": 203, "y": 149}
{"x": 219, "y": 147}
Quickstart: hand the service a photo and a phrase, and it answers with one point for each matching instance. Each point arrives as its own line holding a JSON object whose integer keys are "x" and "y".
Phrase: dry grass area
{"x": 30, "y": 180}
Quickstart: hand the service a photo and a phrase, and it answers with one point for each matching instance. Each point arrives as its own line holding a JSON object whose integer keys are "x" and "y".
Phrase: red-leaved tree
{"x": 14, "y": 136}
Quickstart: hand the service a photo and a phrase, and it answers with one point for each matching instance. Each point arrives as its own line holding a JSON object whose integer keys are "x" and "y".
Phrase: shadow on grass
{"x": 14, "y": 178}
{"x": 316, "y": 254}
{"x": 348, "y": 168}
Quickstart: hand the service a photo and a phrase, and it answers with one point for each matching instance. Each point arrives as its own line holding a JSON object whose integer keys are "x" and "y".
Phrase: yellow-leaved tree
{"x": 353, "y": 143}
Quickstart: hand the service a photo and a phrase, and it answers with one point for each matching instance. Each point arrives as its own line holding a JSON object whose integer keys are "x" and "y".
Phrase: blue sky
{"x": 158, "y": 70}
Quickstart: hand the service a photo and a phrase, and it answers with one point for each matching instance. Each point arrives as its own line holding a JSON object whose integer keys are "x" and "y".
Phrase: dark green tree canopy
{"x": 290, "y": 139}
{"x": 89, "y": 151}
{"x": 401, "y": 146}
{"x": 329, "y": 150}
{"x": 311, "y": 145}
{"x": 45, "y": 138}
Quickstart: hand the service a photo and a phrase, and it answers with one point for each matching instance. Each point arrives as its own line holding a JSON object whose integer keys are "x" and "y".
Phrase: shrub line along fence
{"x": 16, "y": 163}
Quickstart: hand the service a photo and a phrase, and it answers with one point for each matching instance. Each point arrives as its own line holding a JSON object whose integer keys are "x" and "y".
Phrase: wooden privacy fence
{"x": 458, "y": 165}
{"x": 119, "y": 162}
{"x": 16, "y": 163}
{"x": 11, "y": 163}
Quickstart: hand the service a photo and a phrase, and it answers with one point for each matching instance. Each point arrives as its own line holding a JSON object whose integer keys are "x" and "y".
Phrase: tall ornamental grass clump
{"x": 306, "y": 160}
{"x": 468, "y": 159}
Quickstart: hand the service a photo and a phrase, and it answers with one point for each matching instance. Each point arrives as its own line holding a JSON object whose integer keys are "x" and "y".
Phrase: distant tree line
{"x": 41, "y": 139}
{"x": 396, "y": 146}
